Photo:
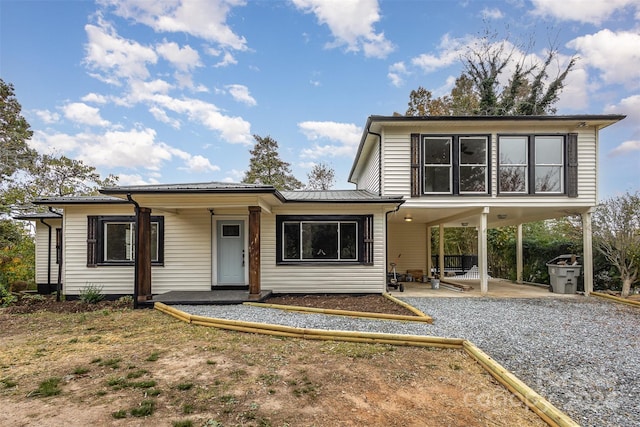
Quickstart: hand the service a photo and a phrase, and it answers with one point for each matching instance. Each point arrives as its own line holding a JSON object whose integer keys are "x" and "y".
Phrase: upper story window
{"x": 531, "y": 164}
{"x": 321, "y": 239}
{"x": 455, "y": 164}
{"x": 111, "y": 240}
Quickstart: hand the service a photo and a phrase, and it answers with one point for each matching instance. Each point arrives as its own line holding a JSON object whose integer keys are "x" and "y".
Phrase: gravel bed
{"x": 581, "y": 354}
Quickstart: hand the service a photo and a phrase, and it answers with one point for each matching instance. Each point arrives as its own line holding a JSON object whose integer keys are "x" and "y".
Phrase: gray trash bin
{"x": 564, "y": 271}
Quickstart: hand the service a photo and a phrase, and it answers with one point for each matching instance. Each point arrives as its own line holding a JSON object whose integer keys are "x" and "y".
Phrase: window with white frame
{"x": 437, "y": 165}
{"x": 531, "y": 164}
{"x": 111, "y": 240}
{"x": 473, "y": 165}
{"x": 321, "y": 238}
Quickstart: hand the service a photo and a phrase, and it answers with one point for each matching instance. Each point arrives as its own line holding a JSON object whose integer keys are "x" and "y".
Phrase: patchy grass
{"x": 149, "y": 365}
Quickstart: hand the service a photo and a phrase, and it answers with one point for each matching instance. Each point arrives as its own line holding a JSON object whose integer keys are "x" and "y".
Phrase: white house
{"x": 474, "y": 171}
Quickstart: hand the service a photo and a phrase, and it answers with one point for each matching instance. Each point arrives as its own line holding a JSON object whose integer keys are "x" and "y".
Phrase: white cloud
{"x": 227, "y": 59}
{"x": 450, "y": 51}
{"x": 82, "y": 113}
{"x": 199, "y": 164}
{"x": 592, "y": 11}
{"x": 629, "y": 106}
{"x": 351, "y": 23}
{"x": 135, "y": 179}
{"x": 625, "y": 148}
{"x": 494, "y": 13}
{"x": 114, "y": 57}
{"x": 205, "y": 19}
{"x": 396, "y": 73}
{"x": 94, "y": 98}
{"x": 47, "y": 116}
{"x": 183, "y": 58}
{"x": 347, "y": 136}
{"x": 161, "y": 115}
{"x": 241, "y": 94}
{"x": 614, "y": 54}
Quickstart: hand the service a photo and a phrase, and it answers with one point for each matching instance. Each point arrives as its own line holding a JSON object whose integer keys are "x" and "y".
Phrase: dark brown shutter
{"x": 572, "y": 165}
{"x": 92, "y": 241}
{"x": 415, "y": 165}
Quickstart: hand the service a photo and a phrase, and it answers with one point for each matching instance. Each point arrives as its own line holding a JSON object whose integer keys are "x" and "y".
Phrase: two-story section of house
{"x": 481, "y": 172}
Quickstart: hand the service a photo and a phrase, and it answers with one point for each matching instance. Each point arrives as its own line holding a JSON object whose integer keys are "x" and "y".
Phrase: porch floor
{"x": 498, "y": 288}
{"x": 217, "y": 297}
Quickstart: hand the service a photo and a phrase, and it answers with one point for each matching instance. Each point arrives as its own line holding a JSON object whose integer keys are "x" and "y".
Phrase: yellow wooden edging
{"x": 545, "y": 410}
{"x": 408, "y": 307}
{"x": 617, "y": 299}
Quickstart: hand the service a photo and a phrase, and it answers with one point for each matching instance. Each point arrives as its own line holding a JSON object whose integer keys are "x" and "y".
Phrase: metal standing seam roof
{"x": 78, "y": 200}
{"x": 340, "y": 196}
{"x": 38, "y": 215}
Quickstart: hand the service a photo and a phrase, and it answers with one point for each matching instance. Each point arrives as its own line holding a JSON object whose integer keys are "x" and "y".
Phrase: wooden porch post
{"x": 587, "y": 249}
{"x": 482, "y": 253}
{"x": 254, "y": 251}
{"x": 143, "y": 253}
{"x": 519, "y": 261}
{"x": 441, "y": 251}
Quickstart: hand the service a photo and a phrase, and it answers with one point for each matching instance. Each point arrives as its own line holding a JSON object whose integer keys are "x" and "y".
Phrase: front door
{"x": 231, "y": 252}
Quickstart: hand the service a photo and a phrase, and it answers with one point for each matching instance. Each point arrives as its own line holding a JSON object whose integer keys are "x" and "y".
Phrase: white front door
{"x": 231, "y": 252}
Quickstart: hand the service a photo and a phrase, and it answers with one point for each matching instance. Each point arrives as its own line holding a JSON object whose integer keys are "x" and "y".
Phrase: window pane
{"x": 473, "y": 179}
{"x": 513, "y": 150}
{"x": 348, "y": 239}
{"x": 118, "y": 242}
{"x": 473, "y": 151}
{"x": 549, "y": 150}
{"x": 548, "y": 179}
{"x": 231, "y": 230}
{"x": 513, "y": 179}
{"x": 437, "y": 179}
{"x": 437, "y": 151}
{"x": 320, "y": 240}
{"x": 154, "y": 241}
{"x": 291, "y": 240}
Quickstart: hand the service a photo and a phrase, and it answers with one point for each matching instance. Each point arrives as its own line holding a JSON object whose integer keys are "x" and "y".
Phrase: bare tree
{"x": 616, "y": 232}
{"x": 321, "y": 177}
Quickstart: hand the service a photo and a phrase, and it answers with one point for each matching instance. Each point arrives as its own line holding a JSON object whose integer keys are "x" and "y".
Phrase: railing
{"x": 458, "y": 264}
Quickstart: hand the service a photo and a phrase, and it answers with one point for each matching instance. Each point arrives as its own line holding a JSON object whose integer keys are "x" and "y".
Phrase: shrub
{"x": 91, "y": 294}
{"x": 6, "y": 297}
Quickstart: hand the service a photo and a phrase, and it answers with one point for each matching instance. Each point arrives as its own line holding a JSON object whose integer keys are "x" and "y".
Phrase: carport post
{"x": 587, "y": 249}
{"x": 482, "y": 252}
{"x": 519, "y": 255}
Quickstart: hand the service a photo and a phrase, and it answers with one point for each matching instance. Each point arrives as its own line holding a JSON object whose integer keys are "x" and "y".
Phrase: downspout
{"x": 60, "y": 261}
{"x": 379, "y": 161}
{"x": 48, "y": 254}
{"x": 386, "y": 242}
{"x": 135, "y": 259}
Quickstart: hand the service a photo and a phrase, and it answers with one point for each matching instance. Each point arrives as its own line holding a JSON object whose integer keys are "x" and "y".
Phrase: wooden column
{"x": 519, "y": 251}
{"x": 143, "y": 254}
{"x": 483, "y": 269}
{"x": 254, "y": 251}
{"x": 587, "y": 249}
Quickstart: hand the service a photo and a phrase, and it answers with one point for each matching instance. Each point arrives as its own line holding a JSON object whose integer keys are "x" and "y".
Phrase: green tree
{"x": 616, "y": 233}
{"x": 266, "y": 167}
{"x": 15, "y": 154}
{"x": 321, "y": 177}
{"x": 17, "y": 254}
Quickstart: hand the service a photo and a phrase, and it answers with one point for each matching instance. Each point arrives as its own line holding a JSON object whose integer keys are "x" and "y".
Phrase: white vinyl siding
{"x": 187, "y": 253}
{"x": 396, "y": 165}
{"x": 370, "y": 177}
{"x": 318, "y": 278}
{"x": 43, "y": 251}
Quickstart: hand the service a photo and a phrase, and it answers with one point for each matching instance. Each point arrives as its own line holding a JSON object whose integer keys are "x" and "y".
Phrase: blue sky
{"x": 172, "y": 91}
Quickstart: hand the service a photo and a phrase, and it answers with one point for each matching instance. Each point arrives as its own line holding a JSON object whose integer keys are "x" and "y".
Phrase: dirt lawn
{"x": 120, "y": 367}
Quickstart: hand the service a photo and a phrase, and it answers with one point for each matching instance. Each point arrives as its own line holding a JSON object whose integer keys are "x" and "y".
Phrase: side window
{"x": 549, "y": 172}
{"x": 473, "y": 165}
{"x": 111, "y": 240}
{"x": 513, "y": 164}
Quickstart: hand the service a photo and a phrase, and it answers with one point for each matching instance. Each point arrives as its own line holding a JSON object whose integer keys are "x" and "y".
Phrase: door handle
{"x": 243, "y": 257}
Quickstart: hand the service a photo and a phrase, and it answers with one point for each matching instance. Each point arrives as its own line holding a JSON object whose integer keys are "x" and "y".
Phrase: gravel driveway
{"x": 582, "y": 354}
